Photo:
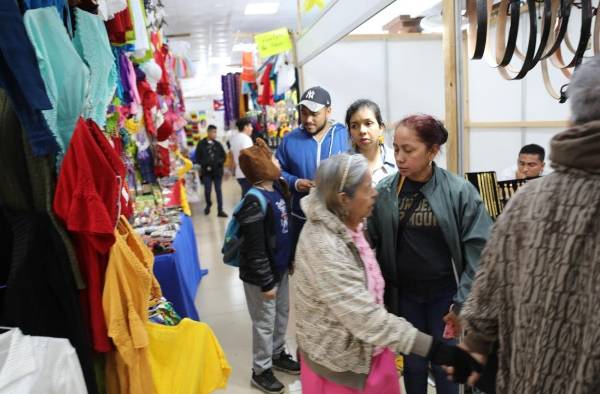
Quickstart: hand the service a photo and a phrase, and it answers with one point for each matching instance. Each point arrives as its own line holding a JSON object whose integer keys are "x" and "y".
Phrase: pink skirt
{"x": 383, "y": 379}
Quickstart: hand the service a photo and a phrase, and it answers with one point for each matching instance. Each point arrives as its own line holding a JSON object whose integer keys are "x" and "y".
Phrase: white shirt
{"x": 38, "y": 365}
{"x": 237, "y": 143}
{"x": 386, "y": 167}
{"x": 510, "y": 173}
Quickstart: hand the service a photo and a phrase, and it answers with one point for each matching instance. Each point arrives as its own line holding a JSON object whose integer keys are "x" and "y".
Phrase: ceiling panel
{"x": 219, "y": 24}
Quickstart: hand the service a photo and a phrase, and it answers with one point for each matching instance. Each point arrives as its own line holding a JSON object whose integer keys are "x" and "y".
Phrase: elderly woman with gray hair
{"x": 346, "y": 338}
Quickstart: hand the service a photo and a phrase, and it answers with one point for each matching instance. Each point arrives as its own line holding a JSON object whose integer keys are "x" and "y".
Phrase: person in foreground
{"x": 346, "y": 338}
{"x": 266, "y": 253}
{"x": 536, "y": 297}
{"x": 428, "y": 227}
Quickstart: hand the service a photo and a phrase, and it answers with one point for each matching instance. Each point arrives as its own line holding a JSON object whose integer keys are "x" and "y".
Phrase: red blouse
{"x": 88, "y": 200}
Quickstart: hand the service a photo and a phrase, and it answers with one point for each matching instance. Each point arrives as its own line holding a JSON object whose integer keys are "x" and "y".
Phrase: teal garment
{"x": 91, "y": 42}
{"x": 461, "y": 215}
{"x": 64, "y": 73}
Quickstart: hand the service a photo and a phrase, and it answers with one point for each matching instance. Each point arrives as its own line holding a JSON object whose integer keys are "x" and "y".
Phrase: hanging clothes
{"x": 107, "y": 9}
{"x": 20, "y": 77}
{"x": 162, "y": 57}
{"x": 28, "y": 180}
{"x": 62, "y": 6}
{"x": 140, "y": 39}
{"x": 266, "y": 97}
{"x": 286, "y": 75}
{"x": 88, "y": 199}
{"x": 36, "y": 365}
{"x": 65, "y": 75}
{"x": 119, "y": 26}
{"x": 91, "y": 42}
{"x": 130, "y": 285}
{"x": 149, "y": 104}
{"x": 40, "y": 295}
{"x": 204, "y": 368}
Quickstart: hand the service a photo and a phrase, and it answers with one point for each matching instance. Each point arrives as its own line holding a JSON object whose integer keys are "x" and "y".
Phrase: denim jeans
{"x": 207, "y": 181}
{"x": 426, "y": 314}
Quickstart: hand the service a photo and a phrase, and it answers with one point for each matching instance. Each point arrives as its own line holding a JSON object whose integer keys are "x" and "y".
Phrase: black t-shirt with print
{"x": 423, "y": 256}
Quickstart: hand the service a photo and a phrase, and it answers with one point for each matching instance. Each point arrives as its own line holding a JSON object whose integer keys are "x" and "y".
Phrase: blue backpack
{"x": 233, "y": 240}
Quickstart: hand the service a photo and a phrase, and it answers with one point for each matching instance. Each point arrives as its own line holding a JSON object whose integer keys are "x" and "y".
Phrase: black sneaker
{"x": 206, "y": 210}
{"x": 267, "y": 382}
{"x": 286, "y": 363}
{"x": 222, "y": 215}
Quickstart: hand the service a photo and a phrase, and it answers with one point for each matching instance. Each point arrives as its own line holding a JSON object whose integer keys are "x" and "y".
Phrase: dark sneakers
{"x": 286, "y": 363}
{"x": 207, "y": 210}
{"x": 267, "y": 382}
{"x": 222, "y": 214}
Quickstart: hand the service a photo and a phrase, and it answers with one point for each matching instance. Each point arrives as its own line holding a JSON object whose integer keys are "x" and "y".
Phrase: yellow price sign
{"x": 273, "y": 42}
{"x": 310, "y": 4}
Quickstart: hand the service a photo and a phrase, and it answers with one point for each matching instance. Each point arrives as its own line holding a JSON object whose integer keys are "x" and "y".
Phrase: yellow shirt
{"x": 128, "y": 287}
{"x": 186, "y": 358}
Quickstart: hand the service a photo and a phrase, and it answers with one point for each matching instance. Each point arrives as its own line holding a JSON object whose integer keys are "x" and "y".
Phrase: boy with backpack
{"x": 264, "y": 264}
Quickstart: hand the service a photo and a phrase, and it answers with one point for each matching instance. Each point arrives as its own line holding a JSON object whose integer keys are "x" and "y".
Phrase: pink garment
{"x": 375, "y": 282}
{"x": 383, "y": 379}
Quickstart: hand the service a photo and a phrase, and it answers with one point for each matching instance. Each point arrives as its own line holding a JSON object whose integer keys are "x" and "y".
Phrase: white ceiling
{"x": 212, "y": 27}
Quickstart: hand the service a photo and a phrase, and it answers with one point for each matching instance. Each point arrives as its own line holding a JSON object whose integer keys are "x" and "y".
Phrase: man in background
{"x": 210, "y": 155}
{"x": 303, "y": 149}
{"x": 241, "y": 140}
{"x": 530, "y": 164}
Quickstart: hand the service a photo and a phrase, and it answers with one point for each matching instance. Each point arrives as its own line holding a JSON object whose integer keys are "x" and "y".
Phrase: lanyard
{"x": 400, "y": 184}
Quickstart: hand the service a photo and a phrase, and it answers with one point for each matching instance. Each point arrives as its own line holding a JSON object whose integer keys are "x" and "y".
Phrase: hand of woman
{"x": 475, "y": 376}
{"x": 462, "y": 366}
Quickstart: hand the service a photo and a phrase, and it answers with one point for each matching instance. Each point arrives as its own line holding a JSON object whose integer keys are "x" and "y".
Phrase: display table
{"x": 179, "y": 273}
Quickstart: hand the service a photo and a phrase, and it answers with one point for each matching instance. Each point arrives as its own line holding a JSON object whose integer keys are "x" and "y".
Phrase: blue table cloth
{"x": 179, "y": 273}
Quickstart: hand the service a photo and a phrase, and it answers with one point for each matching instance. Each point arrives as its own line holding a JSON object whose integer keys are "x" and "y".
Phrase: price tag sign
{"x": 273, "y": 42}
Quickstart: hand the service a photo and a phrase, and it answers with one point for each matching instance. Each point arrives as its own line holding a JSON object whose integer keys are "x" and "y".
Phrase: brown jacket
{"x": 537, "y": 292}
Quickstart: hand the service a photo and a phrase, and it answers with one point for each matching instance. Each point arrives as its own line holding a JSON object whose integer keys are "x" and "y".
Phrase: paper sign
{"x": 310, "y": 4}
{"x": 273, "y": 42}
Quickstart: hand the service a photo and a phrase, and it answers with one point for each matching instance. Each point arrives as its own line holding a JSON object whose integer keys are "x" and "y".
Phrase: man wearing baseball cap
{"x": 303, "y": 149}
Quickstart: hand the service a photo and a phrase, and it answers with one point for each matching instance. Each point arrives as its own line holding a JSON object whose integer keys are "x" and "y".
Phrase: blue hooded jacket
{"x": 299, "y": 155}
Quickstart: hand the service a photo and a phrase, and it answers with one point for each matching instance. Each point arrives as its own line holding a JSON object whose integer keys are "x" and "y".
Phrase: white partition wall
{"x": 405, "y": 75}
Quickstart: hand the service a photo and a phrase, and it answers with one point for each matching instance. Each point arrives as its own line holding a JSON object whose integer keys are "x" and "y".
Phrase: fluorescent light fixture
{"x": 243, "y": 47}
{"x": 261, "y": 8}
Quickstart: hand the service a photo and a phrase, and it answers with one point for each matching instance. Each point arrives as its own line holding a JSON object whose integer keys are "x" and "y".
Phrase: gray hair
{"x": 340, "y": 173}
{"x": 584, "y": 92}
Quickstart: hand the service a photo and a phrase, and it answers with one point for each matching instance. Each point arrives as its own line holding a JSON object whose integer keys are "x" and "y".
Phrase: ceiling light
{"x": 261, "y": 8}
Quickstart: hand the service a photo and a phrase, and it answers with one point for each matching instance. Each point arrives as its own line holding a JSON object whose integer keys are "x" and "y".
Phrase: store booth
{"x": 106, "y": 257}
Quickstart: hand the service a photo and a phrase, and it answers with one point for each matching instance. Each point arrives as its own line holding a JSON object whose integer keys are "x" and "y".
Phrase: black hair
{"x": 364, "y": 103}
{"x": 533, "y": 149}
{"x": 211, "y": 127}
{"x": 242, "y": 122}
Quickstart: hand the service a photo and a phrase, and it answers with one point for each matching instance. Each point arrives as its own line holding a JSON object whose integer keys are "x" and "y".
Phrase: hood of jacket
{"x": 577, "y": 147}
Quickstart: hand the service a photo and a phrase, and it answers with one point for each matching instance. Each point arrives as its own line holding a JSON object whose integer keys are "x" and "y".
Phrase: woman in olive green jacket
{"x": 428, "y": 228}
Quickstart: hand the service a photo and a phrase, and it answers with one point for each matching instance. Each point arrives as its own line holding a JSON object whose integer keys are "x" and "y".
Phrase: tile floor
{"x": 221, "y": 302}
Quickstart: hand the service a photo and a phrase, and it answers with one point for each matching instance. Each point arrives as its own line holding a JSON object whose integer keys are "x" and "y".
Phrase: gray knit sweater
{"x": 338, "y": 323}
{"x": 537, "y": 291}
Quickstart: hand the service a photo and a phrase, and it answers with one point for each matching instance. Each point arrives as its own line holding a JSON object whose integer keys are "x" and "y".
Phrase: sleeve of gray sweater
{"x": 340, "y": 283}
